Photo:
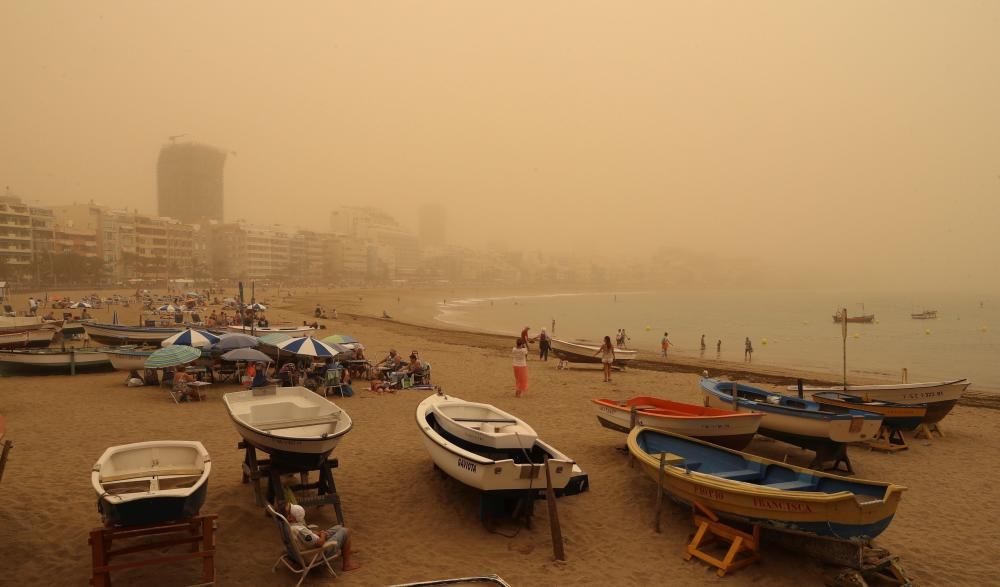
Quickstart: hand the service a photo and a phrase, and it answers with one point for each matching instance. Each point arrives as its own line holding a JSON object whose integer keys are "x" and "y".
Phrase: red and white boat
{"x": 726, "y": 428}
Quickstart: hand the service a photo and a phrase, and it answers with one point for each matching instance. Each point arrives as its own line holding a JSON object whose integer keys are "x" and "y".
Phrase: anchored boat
{"x": 151, "y": 482}
{"x": 723, "y": 427}
{"x": 488, "y": 449}
{"x": 755, "y": 490}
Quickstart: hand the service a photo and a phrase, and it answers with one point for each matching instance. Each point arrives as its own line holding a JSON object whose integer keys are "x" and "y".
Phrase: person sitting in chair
{"x": 259, "y": 377}
{"x": 180, "y": 384}
{"x": 287, "y": 374}
{"x": 308, "y": 538}
{"x": 392, "y": 362}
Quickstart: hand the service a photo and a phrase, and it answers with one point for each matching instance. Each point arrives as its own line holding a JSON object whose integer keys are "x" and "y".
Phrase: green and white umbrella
{"x": 172, "y": 356}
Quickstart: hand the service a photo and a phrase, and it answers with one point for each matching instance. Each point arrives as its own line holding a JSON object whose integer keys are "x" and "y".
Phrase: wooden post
{"x": 207, "y": 546}
{"x": 659, "y": 490}
{"x": 905, "y": 376}
{"x": 844, "y": 336}
{"x": 72, "y": 361}
{"x": 550, "y": 498}
{"x": 99, "y": 559}
{"x": 798, "y": 384}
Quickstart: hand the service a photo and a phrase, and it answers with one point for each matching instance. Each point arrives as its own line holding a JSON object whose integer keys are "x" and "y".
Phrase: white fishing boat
{"x": 40, "y": 337}
{"x": 128, "y": 358}
{"x": 151, "y": 482}
{"x": 939, "y": 396}
{"x": 481, "y": 465}
{"x": 118, "y": 334}
{"x": 287, "y": 420}
{"x": 292, "y": 331}
{"x": 483, "y": 424}
{"x": 54, "y": 358}
{"x": 583, "y": 352}
{"x": 10, "y": 324}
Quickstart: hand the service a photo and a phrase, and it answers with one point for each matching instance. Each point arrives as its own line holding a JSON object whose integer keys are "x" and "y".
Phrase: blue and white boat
{"x": 747, "y": 488}
{"x": 151, "y": 482}
{"x": 790, "y": 419}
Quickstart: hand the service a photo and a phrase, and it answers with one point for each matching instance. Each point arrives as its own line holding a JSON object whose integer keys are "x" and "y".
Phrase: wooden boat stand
{"x": 200, "y": 532}
{"x": 854, "y": 564}
{"x": 927, "y": 431}
{"x": 273, "y": 469}
{"x": 888, "y": 439}
{"x": 741, "y": 544}
{"x": 836, "y": 454}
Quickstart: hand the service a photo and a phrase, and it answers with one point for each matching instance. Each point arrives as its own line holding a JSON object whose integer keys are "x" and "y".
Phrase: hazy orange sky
{"x": 857, "y": 138}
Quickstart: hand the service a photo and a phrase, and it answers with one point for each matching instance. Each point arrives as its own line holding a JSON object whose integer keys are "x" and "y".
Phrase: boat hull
{"x": 834, "y": 507}
{"x": 313, "y": 440}
{"x": 814, "y": 430}
{"x": 153, "y": 510}
{"x": 580, "y": 353}
{"x": 727, "y": 428}
{"x": 43, "y": 359}
{"x": 893, "y": 415}
{"x": 496, "y": 471}
{"x": 128, "y": 360}
{"x": 116, "y": 334}
{"x": 939, "y": 396}
{"x": 864, "y": 319}
{"x": 294, "y": 332}
{"x": 37, "y": 338}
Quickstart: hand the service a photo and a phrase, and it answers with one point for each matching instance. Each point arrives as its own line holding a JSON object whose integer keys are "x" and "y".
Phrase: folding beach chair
{"x": 334, "y": 382}
{"x": 299, "y": 561}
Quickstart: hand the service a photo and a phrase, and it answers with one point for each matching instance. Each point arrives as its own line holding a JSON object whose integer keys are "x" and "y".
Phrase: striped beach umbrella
{"x": 252, "y": 355}
{"x": 274, "y": 339}
{"x": 235, "y": 340}
{"x": 167, "y": 308}
{"x": 190, "y": 337}
{"x": 308, "y": 346}
{"x": 340, "y": 339}
{"x": 172, "y": 356}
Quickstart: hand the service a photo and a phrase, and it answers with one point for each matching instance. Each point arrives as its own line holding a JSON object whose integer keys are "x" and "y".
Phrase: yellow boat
{"x": 752, "y": 489}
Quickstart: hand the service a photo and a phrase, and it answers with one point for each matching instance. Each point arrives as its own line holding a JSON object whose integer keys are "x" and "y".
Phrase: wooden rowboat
{"x": 287, "y": 420}
{"x": 939, "y": 396}
{"x": 45, "y": 359}
{"x": 37, "y": 338}
{"x": 723, "y": 427}
{"x": 579, "y": 352}
{"x": 755, "y": 490}
{"x": 151, "y": 482}
{"x": 898, "y": 416}
{"x": 795, "y": 421}
{"x": 118, "y": 334}
{"x": 479, "y": 464}
{"x": 293, "y": 331}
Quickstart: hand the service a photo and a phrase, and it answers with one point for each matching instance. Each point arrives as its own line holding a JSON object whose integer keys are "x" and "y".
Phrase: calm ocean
{"x": 788, "y": 329}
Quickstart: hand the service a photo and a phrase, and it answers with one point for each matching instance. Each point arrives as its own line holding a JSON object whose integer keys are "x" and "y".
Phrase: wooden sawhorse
{"x": 274, "y": 468}
{"x": 201, "y": 537}
{"x": 710, "y": 529}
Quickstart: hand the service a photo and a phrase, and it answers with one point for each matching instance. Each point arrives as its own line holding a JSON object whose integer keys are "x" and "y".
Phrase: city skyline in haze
{"x": 858, "y": 141}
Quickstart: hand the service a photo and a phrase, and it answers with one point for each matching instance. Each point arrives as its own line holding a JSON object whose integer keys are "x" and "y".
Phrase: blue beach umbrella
{"x": 171, "y": 356}
{"x": 308, "y": 346}
{"x": 189, "y": 337}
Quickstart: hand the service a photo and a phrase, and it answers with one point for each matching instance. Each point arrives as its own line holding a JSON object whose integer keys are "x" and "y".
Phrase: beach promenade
{"x": 410, "y": 523}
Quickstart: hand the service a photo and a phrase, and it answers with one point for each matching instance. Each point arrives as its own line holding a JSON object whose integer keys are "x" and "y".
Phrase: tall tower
{"x": 189, "y": 182}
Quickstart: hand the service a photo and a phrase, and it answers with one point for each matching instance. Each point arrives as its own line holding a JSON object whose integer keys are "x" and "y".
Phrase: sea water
{"x": 786, "y": 328}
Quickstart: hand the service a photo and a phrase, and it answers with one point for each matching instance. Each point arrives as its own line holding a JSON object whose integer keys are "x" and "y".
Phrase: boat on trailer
{"x": 723, "y": 427}
{"x": 793, "y": 420}
{"x": 751, "y": 489}
{"x": 37, "y": 338}
{"x": 287, "y": 420}
{"x": 43, "y": 359}
{"x": 583, "y": 352}
{"x": 151, "y": 482}
{"x": 121, "y": 335}
{"x": 939, "y": 396}
{"x": 485, "y": 457}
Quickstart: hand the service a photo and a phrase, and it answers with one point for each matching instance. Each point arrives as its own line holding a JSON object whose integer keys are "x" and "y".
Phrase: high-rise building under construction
{"x": 189, "y": 182}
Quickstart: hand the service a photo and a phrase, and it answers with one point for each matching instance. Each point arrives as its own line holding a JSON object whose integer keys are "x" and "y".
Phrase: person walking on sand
{"x": 519, "y": 354}
{"x": 747, "y": 350}
{"x": 702, "y": 343}
{"x": 544, "y": 343}
{"x": 718, "y": 348}
{"x": 607, "y": 353}
{"x": 664, "y": 344}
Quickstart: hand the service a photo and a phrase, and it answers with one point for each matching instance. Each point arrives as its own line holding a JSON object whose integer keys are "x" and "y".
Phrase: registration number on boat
{"x": 466, "y": 464}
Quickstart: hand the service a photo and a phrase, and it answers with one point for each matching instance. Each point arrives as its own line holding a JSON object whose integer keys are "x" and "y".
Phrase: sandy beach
{"x": 411, "y": 524}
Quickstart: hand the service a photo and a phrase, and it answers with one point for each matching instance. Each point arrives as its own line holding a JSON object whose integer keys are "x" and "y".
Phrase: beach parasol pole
{"x": 242, "y": 307}
{"x": 843, "y": 330}
{"x": 253, "y": 304}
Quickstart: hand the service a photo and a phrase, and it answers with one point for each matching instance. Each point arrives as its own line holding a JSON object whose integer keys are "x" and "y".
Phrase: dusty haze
{"x": 859, "y": 137}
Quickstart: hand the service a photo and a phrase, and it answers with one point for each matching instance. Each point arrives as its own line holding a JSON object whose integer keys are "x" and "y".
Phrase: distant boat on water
{"x": 862, "y": 319}
{"x": 925, "y": 315}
